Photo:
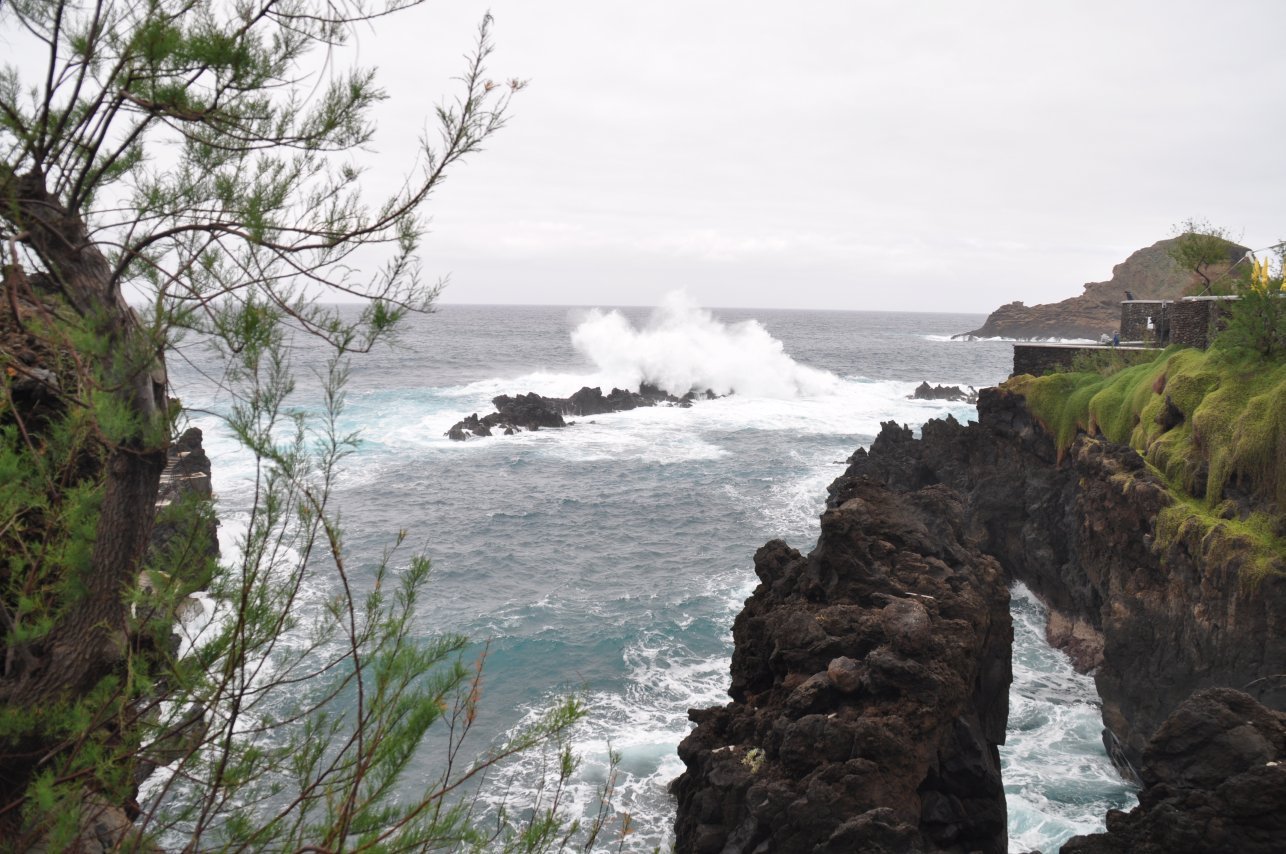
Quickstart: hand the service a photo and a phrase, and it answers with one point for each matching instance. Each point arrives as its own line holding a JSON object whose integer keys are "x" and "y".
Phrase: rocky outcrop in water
{"x": 924, "y": 391}
{"x": 870, "y": 691}
{"x": 1148, "y": 274}
{"x": 532, "y": 411}
{"x": 1214, "y": 780}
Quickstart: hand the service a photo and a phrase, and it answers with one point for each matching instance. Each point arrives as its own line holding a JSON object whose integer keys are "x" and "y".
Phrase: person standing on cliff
{"x": 1116, "y": 339}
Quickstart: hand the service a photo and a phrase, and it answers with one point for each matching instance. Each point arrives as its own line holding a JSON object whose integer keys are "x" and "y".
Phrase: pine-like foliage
{"x": 187, "y": 155}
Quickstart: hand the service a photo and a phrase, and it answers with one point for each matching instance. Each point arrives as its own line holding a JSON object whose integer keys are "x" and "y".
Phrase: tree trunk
{"x": 90, "y": 640}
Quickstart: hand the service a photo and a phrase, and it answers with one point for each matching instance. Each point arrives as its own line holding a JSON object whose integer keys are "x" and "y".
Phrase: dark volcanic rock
{"x": 1148, "y": 274}
{"x": 591, "y": 401}
{"x": 870, "y": 691}
{"x": 529, "y": 411}
{"x": 185, "y": 532}
{"x": 924, "y": 391}
{"x": 868, "y": 678}
{"x": 471, "y": 425}
{"x": 1214, "y": 780}
{"x": 184, "y": 538}
{"x": 1078, "y": 529}
{"x": 532, "y": 411}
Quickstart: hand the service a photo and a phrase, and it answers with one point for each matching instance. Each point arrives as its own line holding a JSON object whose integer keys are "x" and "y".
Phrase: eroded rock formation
{"x": 1079, "y": 531}
{"x": 846, "y": 734}
{"x": 870, "y": 691}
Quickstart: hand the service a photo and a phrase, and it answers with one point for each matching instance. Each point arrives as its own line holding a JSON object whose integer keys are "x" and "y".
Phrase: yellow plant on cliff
{"x": 1261, "y": 278}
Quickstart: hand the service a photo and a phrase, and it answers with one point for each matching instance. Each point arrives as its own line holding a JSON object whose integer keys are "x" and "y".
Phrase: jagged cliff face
{"x": 1148, "y": 274}
{"x": 843, "y": 735}
{"x": 870, "y": 684}
{"x": 1157, "y": 624}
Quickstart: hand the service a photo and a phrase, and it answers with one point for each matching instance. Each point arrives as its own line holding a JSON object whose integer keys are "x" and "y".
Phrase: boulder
{"x": 1214, "y": 779}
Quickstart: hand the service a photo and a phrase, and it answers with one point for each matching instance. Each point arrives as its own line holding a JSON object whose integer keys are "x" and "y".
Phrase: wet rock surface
{"x": 532, "y": 411}
{"x": 870, "y": 687}
{"x": 1214, "y": 780}
{"x": 924, "y": 391}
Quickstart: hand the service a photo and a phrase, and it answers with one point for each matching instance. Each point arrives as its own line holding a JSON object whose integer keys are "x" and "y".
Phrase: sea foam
{"x": 683, "y": 347}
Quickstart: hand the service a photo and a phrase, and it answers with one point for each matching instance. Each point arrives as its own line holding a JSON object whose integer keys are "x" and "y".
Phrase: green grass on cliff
{"x": 1250, "y": 547}
{"x": 1227, "y": 438}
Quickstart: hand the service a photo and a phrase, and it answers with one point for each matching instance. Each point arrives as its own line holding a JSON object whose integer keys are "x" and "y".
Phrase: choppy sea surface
{"x": 610, "y": 558}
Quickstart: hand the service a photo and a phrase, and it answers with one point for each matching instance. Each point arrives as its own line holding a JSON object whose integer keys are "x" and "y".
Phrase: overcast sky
{"x": 854, "y": 155}
{"x": 910, "y": 154}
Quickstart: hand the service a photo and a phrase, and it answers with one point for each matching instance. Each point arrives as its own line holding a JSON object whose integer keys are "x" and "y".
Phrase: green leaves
{"x": 1256, "y": 322}
{"x": 183, "y": 155}
{"x": 156, "y": 41}
{"x": 1204, "y": 249}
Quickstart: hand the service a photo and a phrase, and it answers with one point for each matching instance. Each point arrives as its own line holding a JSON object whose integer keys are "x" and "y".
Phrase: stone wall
{"x": 1135, "y": 317}
{"x": 1193, "y": 320}
{"x": 1188, "y": 321}
{"x": 1041, "y": 359}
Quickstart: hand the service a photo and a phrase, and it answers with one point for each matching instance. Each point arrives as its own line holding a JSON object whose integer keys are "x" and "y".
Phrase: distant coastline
{"x": 1148, "y": 274}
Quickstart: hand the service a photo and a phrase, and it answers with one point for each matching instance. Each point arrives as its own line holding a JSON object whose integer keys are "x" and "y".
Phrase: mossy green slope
{"x": 1211, "y": 423}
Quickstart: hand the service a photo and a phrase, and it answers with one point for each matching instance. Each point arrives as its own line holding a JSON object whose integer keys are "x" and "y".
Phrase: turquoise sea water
{"x": 610, "y": 558}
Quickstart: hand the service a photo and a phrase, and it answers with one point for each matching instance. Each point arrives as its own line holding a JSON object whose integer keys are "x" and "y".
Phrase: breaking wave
{"x": 683, "y": 347}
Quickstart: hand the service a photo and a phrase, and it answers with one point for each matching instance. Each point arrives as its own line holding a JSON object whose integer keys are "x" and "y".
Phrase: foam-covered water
{"x": 610, "y": 558}
{"x": 1058, "y": 779}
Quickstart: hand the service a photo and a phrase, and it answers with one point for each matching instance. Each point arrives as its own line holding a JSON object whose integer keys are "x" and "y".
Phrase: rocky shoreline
{"x": 186, "y": 529}
{"x": 531, "y": 411}
{"x": 1156, "y": 625}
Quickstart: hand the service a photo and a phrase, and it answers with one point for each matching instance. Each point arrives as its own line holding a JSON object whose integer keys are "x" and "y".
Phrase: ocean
{"x": 609, "y": 559}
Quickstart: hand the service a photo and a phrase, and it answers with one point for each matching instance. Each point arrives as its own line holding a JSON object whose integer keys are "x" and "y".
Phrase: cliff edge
{"x": 842, "y": 736}
{"x": 1154, "y": 617}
